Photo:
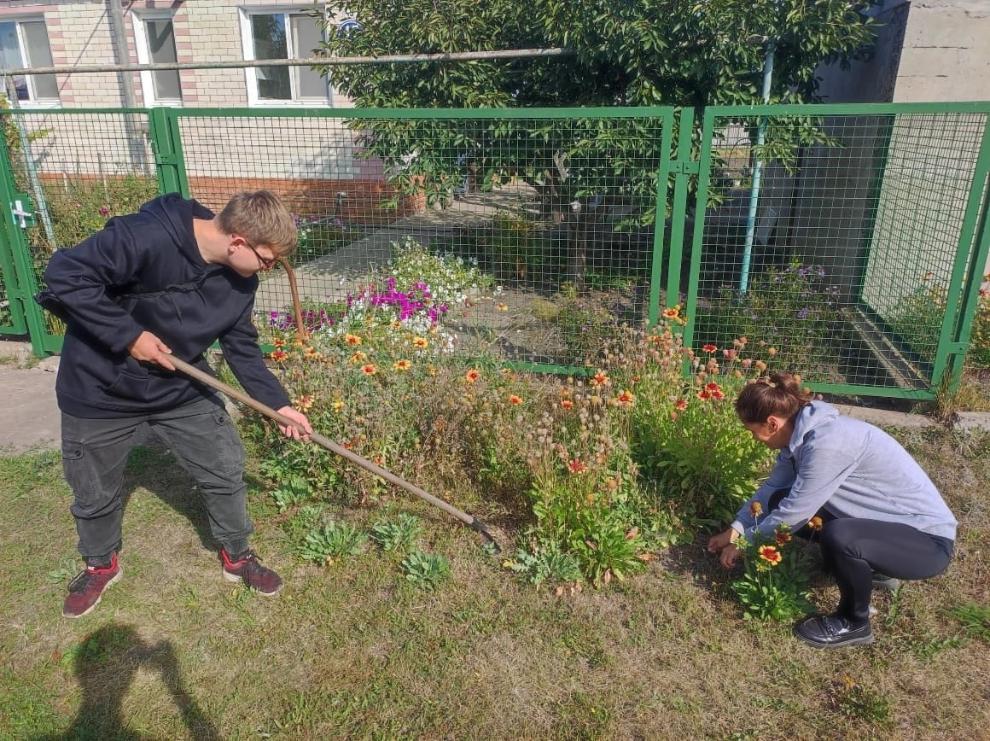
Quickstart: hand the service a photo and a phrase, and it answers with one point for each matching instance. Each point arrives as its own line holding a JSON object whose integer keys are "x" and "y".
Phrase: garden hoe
{"x": 208, "y": 380}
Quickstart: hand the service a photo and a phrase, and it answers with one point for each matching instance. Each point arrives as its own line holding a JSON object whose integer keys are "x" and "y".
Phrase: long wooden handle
{"x": 214, "y": 383}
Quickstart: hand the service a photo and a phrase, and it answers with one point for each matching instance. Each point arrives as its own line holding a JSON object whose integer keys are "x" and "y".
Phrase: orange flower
{"x": 709, "y": 348}
{"x": 718, "y": 394}
{"x": 420, "y": 343}
{"x": 760, "y": 366}
{"x": 671, "y": 313}
{"x": 576, "y": 466}
{"x": 402, "y": 365}
{"x": 625, "y": 399}
{"x": 337, "y": 405}
{"x": 515, "y": 400}
{"x": 815, "y": 523}
{"x": 704, "y": 394}
{"x": 712, "y": 387}
{"x": 502, "y": 307}
{"x": 311, "y": 353}
{"x": 352, "y": 339}
{"x": 279, "y": 342}
{"x": 783, "y": 537}
{"x": 358, "y": 357}
{"x": 771, "y": 351}
{"x": 681, "y": 405}
{"x": 279, "y": 355}
{"x": 472, "y": 375}
{"x": 600, "y": 379}
{"x": 770, "y": 554}
{"x": 567, "y": 404}
{"x": 755, "y": 509}
{"x": 369, "y": 369}
{"x": 303, "y": 403}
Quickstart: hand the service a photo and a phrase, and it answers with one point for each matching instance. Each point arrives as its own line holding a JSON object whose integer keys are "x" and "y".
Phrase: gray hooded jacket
{"x": 850, "y": 468}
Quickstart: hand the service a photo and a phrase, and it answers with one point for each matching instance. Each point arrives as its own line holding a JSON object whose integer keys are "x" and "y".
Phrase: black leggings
{"x": 853, "y": 549}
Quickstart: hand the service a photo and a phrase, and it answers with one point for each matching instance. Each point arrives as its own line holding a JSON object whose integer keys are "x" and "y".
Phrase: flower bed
{"x": 597, "y": 474}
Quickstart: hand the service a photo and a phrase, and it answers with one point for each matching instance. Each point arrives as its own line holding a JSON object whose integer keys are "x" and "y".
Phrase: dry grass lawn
{"x": 355, "y": 650}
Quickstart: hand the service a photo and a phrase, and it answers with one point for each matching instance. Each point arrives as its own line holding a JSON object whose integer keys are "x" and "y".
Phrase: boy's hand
{"x": 293, "y": 431}
{"x": 147, "y": 348}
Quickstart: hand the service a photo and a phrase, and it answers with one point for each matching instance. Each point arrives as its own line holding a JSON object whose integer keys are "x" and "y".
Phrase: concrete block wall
{"x": 222, "y": 155}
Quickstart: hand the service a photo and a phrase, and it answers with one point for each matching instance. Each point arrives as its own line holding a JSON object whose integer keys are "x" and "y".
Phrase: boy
{"x": 173, "y": 277}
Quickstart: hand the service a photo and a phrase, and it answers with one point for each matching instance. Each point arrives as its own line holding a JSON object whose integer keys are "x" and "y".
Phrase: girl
{"x": 879, "y": 510}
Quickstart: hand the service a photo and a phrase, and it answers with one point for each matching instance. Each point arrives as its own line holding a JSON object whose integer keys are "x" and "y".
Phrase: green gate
{"x": 848, "y": 246}
{"x": 856, "y": 257}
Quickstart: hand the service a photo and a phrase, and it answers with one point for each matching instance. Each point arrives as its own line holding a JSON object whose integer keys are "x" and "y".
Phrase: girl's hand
{"x": 718, "y": 542}
{"x": 730, "y": 554}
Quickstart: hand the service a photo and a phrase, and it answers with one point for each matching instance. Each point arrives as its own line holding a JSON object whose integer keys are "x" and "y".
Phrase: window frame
{"x": 139, "y": 18}
{"x": 33, "y": 100}
{"x": 251, "y": 73}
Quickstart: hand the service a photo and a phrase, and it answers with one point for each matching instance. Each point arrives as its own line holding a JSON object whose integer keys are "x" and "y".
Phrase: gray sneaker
{"x": 887, "y": 583}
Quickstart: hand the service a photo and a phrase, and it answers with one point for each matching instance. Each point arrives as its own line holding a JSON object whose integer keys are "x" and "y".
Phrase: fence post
{"x": 974, "y": 281}
{"x": 24, "y": 284}
{"x": 166, "y": 142}
{"x": 955, "y": 323}
{"x": 683, "y": 172}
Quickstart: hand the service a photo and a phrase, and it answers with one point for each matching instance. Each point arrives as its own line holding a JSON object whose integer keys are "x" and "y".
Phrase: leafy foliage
{"x": 774, "y": 582}
{"x": 426, "y": 570}
{"x": 398, "y": 534}
{"x": 673, "y": 52}
{"x": 333, "y": 540}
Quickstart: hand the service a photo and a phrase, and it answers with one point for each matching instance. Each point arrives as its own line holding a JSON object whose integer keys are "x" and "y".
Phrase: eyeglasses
{"x": 266, "y": 262}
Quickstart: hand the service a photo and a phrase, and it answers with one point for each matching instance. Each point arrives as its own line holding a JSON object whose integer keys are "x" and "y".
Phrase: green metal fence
{"x": 856, "y": 257}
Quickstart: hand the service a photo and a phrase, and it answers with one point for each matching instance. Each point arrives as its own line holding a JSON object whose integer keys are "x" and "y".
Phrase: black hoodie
{"x": 145, "y": 272}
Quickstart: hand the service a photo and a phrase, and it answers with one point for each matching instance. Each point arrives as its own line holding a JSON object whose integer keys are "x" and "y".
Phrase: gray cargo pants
{"x": 202, "y": 437}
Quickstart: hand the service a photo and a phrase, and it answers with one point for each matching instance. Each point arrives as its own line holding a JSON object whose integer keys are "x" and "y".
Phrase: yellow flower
{"x": 358, "y": 357}
{"x": 472, "y": 375}
{"x": 369, "y": 369}
{"x": 303, "y": 403}
{"x": 755, "y": 509}
{"x": 815, "y": 523}
{"x": 420, "y": 343}
{"x": 279, "y": 355}
{"x": 352, "y": 339}
{"x": 671, "y": 313}
{"x": 402, "y": 365}
{"x": 337, "y": 405}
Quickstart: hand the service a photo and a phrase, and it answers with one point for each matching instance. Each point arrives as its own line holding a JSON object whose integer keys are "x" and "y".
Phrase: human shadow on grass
{"x": 105, "y": 664}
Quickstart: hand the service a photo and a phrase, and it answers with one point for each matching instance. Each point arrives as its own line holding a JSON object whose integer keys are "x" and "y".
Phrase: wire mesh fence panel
{"x": 80, "y": 169}
{"x": 528, "y": 235}
{"x": 835, "y": 261}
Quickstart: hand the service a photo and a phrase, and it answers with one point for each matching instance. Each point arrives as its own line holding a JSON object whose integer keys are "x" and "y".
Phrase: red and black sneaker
{"x": 86, "y": 590}
{"x": 247, "y": 568}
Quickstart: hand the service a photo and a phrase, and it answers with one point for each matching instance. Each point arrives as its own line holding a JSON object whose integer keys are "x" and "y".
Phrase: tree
{"x": 623, "y": 52}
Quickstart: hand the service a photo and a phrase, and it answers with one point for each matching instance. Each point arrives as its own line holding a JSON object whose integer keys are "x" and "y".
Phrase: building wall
{"x": 946, "y": 54}
{"x": 221, "y": 154}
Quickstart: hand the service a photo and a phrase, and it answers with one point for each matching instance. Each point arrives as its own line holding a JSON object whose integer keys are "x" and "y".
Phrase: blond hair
{"x": 779, "y": 394}
{"x": 260, "y": 218}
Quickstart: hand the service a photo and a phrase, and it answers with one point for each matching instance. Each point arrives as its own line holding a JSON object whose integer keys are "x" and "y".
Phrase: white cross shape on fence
{"x": 19, "y": 213}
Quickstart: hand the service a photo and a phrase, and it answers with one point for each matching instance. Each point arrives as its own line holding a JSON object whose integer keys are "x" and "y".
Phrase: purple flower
{"x": 803, "y": 314}
{"x": 104, "y": 211}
